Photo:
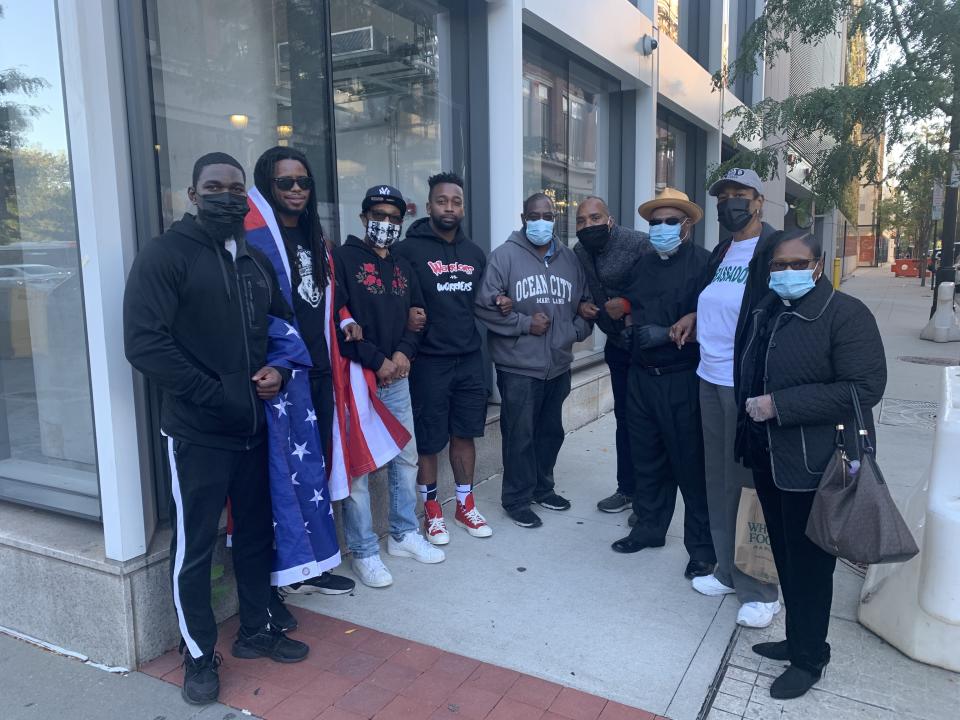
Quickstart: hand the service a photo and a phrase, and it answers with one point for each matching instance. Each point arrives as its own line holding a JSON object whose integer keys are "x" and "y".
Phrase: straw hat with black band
{"x": 672, "y": 198}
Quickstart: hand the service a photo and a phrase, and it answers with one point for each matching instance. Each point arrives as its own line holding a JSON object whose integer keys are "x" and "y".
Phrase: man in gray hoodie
{"x": 532, "y": 348}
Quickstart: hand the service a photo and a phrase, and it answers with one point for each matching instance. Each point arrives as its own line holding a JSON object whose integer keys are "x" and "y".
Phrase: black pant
{"x": 531, "y": 423}
{"x": 806, "y": 572}
{"x": 667, "y": 445}
{"x": 618, "y": 361}
{"x": 321, "y": 393}
{"x": 203, "y": 478}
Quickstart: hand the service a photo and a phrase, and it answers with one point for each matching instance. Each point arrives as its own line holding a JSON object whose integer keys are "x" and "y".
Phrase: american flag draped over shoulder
{"x": 305, "y": 537}
{"x": 365, "y": 435}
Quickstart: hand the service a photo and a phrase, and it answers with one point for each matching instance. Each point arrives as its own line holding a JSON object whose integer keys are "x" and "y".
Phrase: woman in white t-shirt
{"x": 736, "y": 280}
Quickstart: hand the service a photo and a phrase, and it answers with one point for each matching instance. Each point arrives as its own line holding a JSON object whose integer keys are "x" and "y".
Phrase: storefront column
{"x": 102, "y": 185}
{"x": 505, "y": 68}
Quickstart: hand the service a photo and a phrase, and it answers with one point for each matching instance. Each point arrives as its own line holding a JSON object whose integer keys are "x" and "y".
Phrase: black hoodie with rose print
{"x": 379, "y": 293}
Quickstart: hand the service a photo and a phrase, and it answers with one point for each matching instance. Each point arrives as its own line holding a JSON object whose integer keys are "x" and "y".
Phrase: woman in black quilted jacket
{"x": 806, "y": 344}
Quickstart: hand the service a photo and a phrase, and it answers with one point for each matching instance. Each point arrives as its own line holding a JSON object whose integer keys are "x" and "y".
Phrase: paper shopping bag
{"x": 753, "y": 554}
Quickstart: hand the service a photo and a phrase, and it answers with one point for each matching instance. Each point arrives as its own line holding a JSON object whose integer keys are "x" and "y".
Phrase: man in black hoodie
{"x": 379, "y": 289}
{"x": 195, "y": 324}
{"x": 446, "y": 382}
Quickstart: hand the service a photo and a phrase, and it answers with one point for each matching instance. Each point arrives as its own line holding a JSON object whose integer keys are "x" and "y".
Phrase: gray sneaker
{"x": 617, "y": 502}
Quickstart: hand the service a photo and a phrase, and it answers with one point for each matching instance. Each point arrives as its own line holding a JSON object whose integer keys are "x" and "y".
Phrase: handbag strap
{"x": 863, "y": 435}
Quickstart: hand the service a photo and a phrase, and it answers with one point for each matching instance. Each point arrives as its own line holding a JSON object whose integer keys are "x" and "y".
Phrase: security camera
{"x": 648, "y": 45}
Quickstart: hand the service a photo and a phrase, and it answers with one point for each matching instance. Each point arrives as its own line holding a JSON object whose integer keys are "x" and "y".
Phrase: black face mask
{"x": 222, "y": 214}
{"x": 734, "y": 214}
{"x": 594, "y": 237}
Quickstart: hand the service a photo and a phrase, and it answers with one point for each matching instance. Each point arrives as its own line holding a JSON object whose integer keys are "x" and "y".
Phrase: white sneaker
{"x": 372, "y": 572}
{"x": 709, "y": 585}
{"x": 757, "y": 614}
{"x": 414, "y": 546}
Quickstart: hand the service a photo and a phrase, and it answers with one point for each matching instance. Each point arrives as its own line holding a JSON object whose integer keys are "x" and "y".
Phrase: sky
{"x": 28, "y": 42}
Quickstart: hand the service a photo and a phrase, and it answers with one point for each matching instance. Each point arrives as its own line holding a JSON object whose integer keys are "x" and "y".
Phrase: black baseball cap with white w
{"x": 384, "y": 194}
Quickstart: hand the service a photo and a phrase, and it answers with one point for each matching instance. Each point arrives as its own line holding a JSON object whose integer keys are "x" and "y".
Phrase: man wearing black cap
{"x": 379, "y": 289}
{"x": 195, "y": 323}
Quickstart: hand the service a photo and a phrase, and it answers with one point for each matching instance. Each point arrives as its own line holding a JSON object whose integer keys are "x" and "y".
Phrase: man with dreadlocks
{"x": 284, "y": 179}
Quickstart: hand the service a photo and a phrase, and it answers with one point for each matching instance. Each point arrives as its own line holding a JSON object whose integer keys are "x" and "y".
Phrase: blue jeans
{"x": 401, "y": 480}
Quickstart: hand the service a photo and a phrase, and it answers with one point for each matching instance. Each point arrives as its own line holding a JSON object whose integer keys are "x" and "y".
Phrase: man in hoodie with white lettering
{"x": 532, "y": 348}
{"x": 447, "y": 385}
{"x": 195, "y": 316}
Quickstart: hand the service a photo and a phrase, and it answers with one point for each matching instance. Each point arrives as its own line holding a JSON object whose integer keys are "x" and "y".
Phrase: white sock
{"x": 422, "y": 489}
{"x": 462, "y": 492}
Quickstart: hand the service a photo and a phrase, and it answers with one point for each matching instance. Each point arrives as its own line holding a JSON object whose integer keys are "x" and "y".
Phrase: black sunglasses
{"x": 668, "y": 221}
{"x": 778, "y": 265}
{"x": 287, "y": 183}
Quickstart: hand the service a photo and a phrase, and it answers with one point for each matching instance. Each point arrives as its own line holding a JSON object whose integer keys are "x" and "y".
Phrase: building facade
{"x": 113, "y": 101}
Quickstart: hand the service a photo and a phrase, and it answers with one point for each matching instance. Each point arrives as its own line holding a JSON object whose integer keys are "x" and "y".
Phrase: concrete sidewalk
{"x": 558, "y": 604}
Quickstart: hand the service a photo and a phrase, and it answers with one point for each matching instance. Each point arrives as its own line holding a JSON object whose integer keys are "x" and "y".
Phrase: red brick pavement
{"x": 355, "y": 672}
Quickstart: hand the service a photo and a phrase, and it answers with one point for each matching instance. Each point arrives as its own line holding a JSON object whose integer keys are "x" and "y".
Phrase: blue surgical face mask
{"x": 792, "y": 284}
{"x": 540, "y": 232}
{"x": 665, "y": 238}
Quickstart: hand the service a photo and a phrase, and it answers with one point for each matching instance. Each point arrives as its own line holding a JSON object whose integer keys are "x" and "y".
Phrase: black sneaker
{"x": 553, "y": 502}
{"x": 201, "y": 679}
{"x": 525, "y": 517}
{"x": 698, "y": 568}
{"x": 269, "y": 643}
{"x": 280, "y": 617}
{"x": 618, "y": 502}
{"x": 326, "y": 584}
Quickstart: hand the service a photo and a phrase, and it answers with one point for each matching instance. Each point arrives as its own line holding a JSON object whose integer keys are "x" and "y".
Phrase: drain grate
{"x": 908, "y": 413}
{"x": 946, "y": 362}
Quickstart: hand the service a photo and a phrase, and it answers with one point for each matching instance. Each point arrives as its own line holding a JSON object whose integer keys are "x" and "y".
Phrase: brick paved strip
{"x": 357, "y": 673}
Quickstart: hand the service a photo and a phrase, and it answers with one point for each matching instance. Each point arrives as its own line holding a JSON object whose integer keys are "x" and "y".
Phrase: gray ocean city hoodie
{"x": 554, "y": 286}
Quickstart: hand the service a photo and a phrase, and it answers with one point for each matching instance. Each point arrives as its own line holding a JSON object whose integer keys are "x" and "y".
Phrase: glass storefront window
{"x": 565, "y": 123}
{"x": 392, "y": 104}
{"x": 671, "y": 156}
{"x": 239, "y": 76}
{"x": 47, "y": 451}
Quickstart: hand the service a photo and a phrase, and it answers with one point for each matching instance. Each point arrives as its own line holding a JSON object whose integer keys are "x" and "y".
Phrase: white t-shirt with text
{"x": 718, "y": 310}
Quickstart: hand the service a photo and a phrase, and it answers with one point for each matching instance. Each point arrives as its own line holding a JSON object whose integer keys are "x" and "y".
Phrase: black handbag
{"x": 853, "y": 515}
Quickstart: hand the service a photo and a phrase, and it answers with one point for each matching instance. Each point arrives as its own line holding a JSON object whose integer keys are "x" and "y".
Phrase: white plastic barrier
{"x": 944, "y": 325}
{"x": 915, "y": 606}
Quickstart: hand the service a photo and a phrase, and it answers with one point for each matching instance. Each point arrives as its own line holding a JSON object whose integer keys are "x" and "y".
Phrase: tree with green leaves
{"x": 912, "y": 76}
{"x": 15, "y": 118}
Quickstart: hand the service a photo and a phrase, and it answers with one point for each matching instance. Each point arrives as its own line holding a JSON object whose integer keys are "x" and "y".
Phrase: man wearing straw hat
{"x": 666, "y": 438}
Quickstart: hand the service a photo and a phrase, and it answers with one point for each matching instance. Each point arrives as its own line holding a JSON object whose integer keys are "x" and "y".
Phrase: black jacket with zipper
{"x": 756, "y": 288}
{"x": 195, "y": 323}
{"x": 449, "y": 276}
{"x": 815, "y": 349}
{"x": 379, "y": 293}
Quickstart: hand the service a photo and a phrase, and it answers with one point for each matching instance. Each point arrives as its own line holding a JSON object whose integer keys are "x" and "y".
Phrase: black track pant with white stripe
{"x": 203, "y": 478}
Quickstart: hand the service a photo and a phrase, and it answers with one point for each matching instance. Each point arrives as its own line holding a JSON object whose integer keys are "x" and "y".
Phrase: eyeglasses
{"x": 778, "y": 265}
{"x": 667, "y": 221}
{"x": 287, "y": 183}
{"x": 381, "y": 216}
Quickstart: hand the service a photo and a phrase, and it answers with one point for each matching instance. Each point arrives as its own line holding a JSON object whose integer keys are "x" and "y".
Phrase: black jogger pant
{"x": 618, "y": 360}
{"x": 531, "y": 423}
{"x": 321, "y": 393}
{"x": 666, "y": 441}
{"x": 806, "y": 572}
{"x": 202, "y": 479}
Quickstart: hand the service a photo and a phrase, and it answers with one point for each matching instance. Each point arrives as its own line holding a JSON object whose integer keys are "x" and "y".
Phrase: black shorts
{"x": 449, "y": 396}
